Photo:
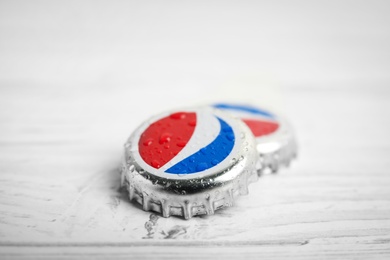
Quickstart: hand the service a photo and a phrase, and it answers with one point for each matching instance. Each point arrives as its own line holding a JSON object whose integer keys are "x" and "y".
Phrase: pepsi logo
{"x": 199, "y": 141}
{"x": 259, "y": 121}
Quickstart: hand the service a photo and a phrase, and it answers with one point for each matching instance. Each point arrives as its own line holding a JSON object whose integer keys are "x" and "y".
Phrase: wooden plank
{"x": 61, "y": 197}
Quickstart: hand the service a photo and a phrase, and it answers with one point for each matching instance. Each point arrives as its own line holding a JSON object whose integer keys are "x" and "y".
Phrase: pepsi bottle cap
{"x": 276, "y": 143}
{"x": 189, "y": 162}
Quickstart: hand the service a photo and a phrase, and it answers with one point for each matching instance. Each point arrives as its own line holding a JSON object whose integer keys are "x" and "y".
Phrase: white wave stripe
{"x": 206, "y": 130}
{"x": 243, "y": 114}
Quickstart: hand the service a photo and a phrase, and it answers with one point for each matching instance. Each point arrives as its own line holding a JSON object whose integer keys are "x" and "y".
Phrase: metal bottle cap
{"x": 276, "y": 143}
{"x": 189, "y": 162}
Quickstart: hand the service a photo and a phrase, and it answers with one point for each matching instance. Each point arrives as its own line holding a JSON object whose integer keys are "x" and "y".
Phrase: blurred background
{"x": 145, "y": 56}
{"x": 192, "y": 49}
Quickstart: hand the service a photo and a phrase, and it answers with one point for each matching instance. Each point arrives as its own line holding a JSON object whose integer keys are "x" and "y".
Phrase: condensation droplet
{"x": 178, "y": 115}
{"x": 230, "y": 136}
{"x": 192, "y": 123}
{"x": 181, "y": 144}
{"x": 148, "y": 142}
{"x": 201, "y": 166}
{"x": 156, "y": 164}
{"x": 165, "y": 138}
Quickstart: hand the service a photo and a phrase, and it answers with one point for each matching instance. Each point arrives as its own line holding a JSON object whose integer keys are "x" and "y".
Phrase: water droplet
{"x": 148, "y": 142}
{"x": 192, "y": 123}
{"x": 165, "y": 138}
{"x": 201, "y": 166}
{"x": 230, "y": 136}
{"x": 131, "y": 168}
{"x": 214, "y": 162}
{"x": 181, "y": 144}
{"x": 156, "y": 164}
{"x": 178, "y": 115}
{"x": 207, "y": 196}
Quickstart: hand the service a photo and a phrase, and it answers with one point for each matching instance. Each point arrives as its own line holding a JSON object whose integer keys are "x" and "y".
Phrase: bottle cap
{"x": 189, "y": 162}
{"x": 275, "y": 138}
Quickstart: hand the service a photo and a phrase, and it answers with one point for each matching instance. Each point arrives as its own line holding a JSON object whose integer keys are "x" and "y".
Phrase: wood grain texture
{"x": 72, "y": 91}
{"x": 61, "y": 197}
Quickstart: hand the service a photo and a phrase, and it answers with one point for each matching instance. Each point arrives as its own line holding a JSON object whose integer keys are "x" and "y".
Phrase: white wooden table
{"x": 72, "y": 90}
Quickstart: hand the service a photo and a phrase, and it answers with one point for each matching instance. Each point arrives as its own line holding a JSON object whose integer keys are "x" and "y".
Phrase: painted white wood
{"x": 60, "y": 187}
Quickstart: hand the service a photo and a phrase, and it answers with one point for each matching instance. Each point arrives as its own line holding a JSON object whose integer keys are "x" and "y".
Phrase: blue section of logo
{"x": 208, "y": 156}
{"x": 248, "y": 109}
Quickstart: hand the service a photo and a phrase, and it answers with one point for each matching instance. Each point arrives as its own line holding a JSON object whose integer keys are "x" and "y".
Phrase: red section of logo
{"x": 260, "y": 128}
{"x": 165, "y": 138}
